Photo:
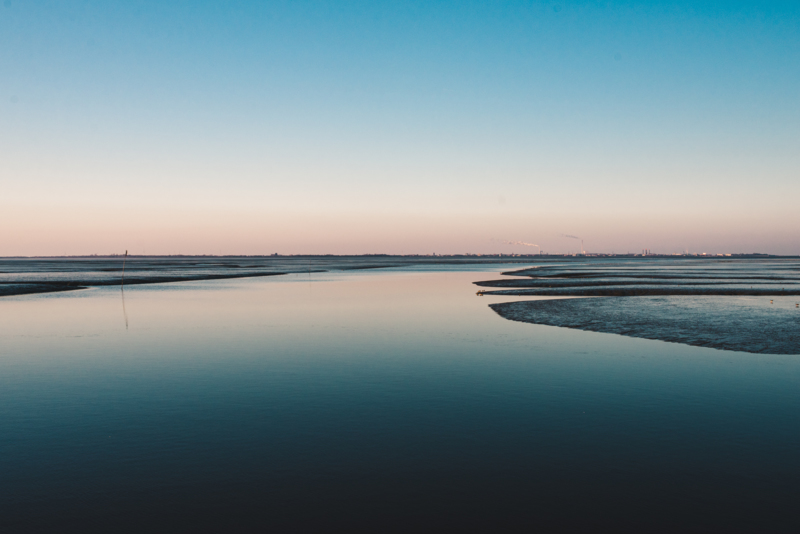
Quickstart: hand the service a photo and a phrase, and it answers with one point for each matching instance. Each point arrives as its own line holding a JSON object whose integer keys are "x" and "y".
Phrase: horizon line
{"x": 464, "y": 255}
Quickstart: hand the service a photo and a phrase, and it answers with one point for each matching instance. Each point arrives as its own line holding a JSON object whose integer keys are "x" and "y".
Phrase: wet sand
{"x": 740, "y": 305}
{"x": 643, "y": 277}
{"x": 740, "y": 324}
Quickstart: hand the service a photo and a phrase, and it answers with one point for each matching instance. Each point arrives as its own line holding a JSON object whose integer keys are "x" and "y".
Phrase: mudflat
{"x": 741, "y": 305}
{"x": 19, "y": 276}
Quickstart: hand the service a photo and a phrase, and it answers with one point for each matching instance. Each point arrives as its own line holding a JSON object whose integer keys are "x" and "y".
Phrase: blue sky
{"x": 399, "y": 127}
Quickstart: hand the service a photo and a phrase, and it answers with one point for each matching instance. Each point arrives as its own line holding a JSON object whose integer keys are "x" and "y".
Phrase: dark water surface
{"x": 380, "y": 401}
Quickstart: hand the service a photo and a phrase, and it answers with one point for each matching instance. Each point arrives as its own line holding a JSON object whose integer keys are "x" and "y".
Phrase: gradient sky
{"x": 398, "y": 127}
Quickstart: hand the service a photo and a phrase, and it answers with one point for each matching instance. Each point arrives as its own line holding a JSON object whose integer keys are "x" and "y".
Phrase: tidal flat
{"x": 385, "y": 400}
{"x": 741, "y": 305}
{"x": 21, "y": 276}
{"x": 748, "y": 324}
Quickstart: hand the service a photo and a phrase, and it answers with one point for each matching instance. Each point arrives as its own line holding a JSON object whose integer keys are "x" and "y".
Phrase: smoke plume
{"x": 523, "y": 243}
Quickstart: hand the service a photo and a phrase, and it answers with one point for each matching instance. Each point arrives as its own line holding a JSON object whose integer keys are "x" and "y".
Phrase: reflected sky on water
{"x": 386, "y": 400}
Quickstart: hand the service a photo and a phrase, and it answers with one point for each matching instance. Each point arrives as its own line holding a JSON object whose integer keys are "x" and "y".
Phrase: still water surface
{"x": 388, "y": 401}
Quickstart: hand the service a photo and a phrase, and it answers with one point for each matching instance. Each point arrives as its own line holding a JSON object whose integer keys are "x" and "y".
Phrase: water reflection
{"x": 124, "y": 312}
{"x": 387, "y": 401}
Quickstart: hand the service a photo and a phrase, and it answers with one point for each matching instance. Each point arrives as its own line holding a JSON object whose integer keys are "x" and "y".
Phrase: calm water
{"x": 386, "y": 401}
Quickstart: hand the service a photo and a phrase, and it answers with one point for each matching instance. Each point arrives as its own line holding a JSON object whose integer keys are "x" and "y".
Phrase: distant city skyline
{"x": 399, "y": 127}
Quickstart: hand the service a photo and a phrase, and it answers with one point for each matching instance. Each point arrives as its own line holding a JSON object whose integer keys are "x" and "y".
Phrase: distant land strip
{"x": 644, "y": 291}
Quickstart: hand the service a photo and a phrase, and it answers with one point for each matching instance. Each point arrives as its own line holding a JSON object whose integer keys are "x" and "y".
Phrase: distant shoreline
{"x": 748, "y": 255}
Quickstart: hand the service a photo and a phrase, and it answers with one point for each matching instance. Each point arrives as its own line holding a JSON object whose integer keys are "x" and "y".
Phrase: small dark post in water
{"x": 122, "y": 280}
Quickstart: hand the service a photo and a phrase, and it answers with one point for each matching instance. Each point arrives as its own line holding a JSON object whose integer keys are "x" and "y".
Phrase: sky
{"x": 349, "y": 127}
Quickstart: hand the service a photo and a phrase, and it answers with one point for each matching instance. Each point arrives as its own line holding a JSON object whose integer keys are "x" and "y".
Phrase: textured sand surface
{"x": 747, "y": 305}
{"x": 729, "y": 323}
